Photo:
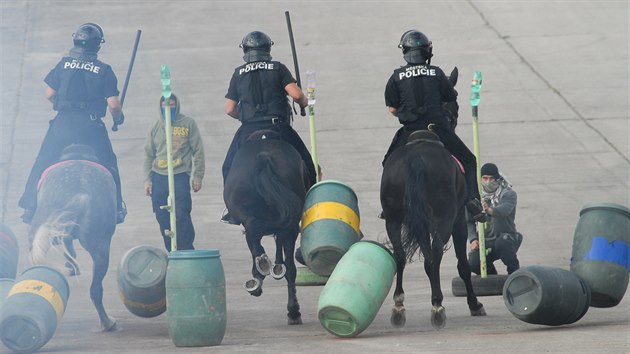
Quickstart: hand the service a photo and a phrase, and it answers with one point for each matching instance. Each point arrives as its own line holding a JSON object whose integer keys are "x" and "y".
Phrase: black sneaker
{"x": 228, "y": 219}
{"x": 27, "y": 217}
{"x": 121, "y": 214}
{"x": 476, "y": 210}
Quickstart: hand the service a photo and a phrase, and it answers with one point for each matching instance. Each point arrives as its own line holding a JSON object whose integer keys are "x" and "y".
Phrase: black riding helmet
{"x": 88, "y": 37}
{"x": 416, "y": 47}
{"x": 256, "y": 46}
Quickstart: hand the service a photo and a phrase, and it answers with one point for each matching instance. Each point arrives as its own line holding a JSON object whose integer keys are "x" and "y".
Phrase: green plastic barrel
{"x": 601, "y": 252}
{"x": 33, "y": 308}
{"x": 356, "y": 289}
{"x": 9, "y": 252}
{"x": 330, "y": 225}
{"x": 142, "y": 280}
{"x": 546, "y": 295}
{"x": 5, "y": 286}
{"x": 195, "y": 298}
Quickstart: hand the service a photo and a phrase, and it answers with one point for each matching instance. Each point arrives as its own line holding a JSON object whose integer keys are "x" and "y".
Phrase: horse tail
{"x": 417, "y": 215}
{"x": 273, "y": 191}
{"x": 58, "y": 225}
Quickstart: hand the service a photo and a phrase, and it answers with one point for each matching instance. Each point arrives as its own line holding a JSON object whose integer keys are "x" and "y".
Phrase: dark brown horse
{"x": 423, "y": 196}
{"x": 77, "y": 201}
{"x": 265, "y": 191}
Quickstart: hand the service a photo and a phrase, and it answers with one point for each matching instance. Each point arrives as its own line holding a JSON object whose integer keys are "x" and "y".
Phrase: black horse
{"x": 265, "y": 191}
{"x": 423, "y": 196}
{"x": 76, "y": 200}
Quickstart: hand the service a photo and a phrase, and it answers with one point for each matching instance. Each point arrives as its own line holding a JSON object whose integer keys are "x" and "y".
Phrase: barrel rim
{"x": 189, "y": 254}
{"x": 378, "y": 244}
{"x": 331, "y": 181}
{"x": 124, "y": 264}
{"x": 606, "y": 206}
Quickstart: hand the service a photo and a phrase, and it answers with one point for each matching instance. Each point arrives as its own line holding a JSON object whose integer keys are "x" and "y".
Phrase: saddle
{"x": 264, "y": 134}
{"x": 424, "y": 136}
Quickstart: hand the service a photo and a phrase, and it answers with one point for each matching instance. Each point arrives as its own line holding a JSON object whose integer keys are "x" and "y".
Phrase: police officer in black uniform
{"x": 257, "y": 96}
{"x": 416, "y": 94}
{"x": 81, "y": 87}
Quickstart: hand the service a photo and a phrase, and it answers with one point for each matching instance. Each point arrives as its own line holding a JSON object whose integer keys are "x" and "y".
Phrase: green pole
{"x": 165, "y": 75}
{"x": 310, "y": 80}
{"x": 475, "y": 88}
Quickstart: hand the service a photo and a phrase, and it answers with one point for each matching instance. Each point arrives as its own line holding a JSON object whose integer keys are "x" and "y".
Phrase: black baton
{"x": 124, "y": 90}
{"x": 295, "y": 61}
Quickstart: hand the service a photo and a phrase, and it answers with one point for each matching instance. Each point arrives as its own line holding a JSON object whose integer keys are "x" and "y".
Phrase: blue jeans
{"x": 183, "y": 207}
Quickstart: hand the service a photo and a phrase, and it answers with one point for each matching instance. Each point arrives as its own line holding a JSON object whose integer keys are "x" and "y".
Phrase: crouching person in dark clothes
{"x": 187, "y": 151}
{"x": 502, "y": 241}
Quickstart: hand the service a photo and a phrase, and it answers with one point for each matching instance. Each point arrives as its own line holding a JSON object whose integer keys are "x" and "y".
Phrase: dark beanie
{"x": 490, "y": 169}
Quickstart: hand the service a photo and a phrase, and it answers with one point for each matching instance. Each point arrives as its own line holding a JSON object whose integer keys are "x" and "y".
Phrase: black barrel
{"x": 546, "y": 295}
{"x": 142, "y": 280}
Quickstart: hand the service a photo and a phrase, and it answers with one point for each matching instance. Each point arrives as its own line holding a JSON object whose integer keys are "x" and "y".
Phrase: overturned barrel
{"x": 9, "y": 252}
{"x": 546, "y": 295}
{"x": 356, "y": 289}
{"x": 33, "y": 308}
{"x": 330, "y": 225}
{"x": 601, "y": 252}
{"x": 195, "y": 298}
{"x": 142, "y": 280}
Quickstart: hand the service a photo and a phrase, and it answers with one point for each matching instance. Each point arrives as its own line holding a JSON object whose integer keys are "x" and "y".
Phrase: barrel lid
{"x": 144, "y": 266}
{"x": 189, "y": 254}
{"x": 606, "y": 206}
{"x": 329, "y": 182}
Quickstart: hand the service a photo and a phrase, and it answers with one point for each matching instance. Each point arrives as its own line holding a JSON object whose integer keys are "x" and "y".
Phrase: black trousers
{"x": 504, "y": 247}
{"x": 287, "y": 134}
{"x": 183, "y": 207}
{"x": 65, "y": 129}
{"x": 453, "y": 144}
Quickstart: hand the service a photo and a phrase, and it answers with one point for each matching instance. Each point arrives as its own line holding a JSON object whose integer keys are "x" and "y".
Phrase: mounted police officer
{"x": 257, "y": 96}
{"x": 416, "y": 94}
{"x": 81, "y": 88}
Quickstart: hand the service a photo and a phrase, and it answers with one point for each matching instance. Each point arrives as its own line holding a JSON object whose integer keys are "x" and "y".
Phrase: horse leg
{"x": 432, "y": 268}
{"x": 398, "y": 317}
{"x": 260, "y": 261}
{"x": 100, "y": 258}
{"x": 71, "y": 257}
{"x": 278, "y": 270}
{"x": 293, "y": 307}
{"x": 460, "y": 240}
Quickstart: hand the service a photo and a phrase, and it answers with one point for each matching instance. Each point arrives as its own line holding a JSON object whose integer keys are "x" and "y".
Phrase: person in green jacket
{"x": 187, "y": 153}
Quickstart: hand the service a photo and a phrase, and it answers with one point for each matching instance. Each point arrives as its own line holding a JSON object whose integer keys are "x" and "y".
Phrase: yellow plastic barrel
{"x": 195, "y": 298}
{"x": 330, "y": 225}
{"x": 601, "y": 252}
{"x": 33, "y": 308}
{"x": 142, "y": 280}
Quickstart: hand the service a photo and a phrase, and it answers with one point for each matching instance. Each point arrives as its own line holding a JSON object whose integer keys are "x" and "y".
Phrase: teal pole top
{"x": 165, "y": 75}
{"x": 475, "y": 87}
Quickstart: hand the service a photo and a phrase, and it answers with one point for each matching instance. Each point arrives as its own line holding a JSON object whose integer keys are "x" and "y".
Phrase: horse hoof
{"x": 263, "y": 264}
{"x": 481, "y": 311}
{"x": 278, "y": 271}
{"x": 254, "y": 287}
{"x": 438, "y": 317}
{"x": 398, "y": 318}
{"x": 294, "y": 321}
{"x": 109, "y": 325}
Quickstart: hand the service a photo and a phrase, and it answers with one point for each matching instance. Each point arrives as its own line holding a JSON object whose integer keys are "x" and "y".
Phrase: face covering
{"x": 173, "y": 110}
{"x": 490, "y": 187}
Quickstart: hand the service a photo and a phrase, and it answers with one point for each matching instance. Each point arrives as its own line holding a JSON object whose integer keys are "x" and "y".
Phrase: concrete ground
{"x": 553, "y": 116}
